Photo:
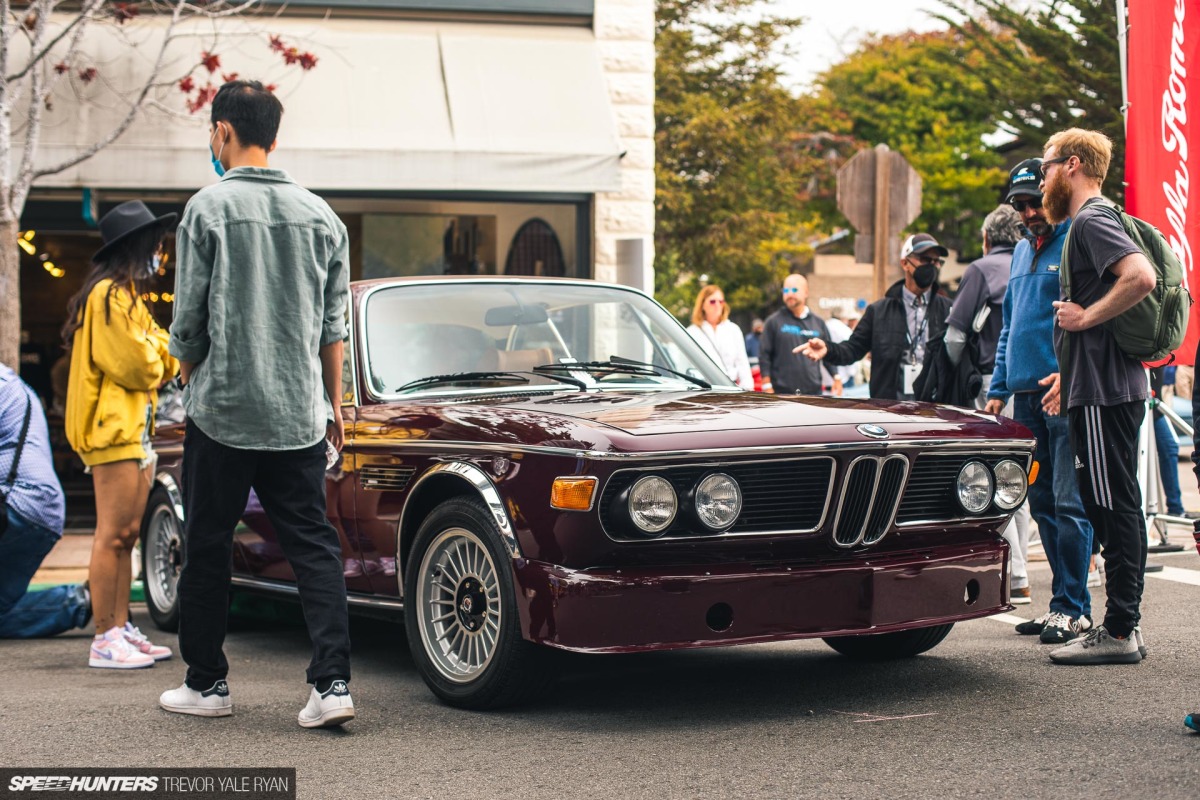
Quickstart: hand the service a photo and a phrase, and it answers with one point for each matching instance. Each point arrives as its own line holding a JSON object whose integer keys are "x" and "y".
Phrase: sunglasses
{"x": 790, "y": 291}
{"x": 1049, "y": 161}
{"x": 1020, "y": 205}
{"x": 924, "y": 260}
{"x": 712, "y": 301}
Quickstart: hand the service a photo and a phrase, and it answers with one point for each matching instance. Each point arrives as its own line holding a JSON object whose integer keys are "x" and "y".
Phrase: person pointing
{"x": 896, "y": 328}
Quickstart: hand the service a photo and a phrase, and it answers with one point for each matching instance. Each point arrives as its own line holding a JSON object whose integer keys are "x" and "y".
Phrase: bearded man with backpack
{"x": 1105, "y": 388}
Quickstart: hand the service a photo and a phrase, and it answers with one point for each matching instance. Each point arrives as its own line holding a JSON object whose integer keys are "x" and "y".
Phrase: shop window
{"x": 535, "y": 250}
{"x": 402, "y": 245}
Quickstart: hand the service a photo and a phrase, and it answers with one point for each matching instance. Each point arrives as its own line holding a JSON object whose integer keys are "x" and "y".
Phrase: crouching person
{"x": 33, "y": 511}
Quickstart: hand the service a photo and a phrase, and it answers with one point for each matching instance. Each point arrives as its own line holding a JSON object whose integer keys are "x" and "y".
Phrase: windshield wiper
{"x": 703, "y": 384}
{"x": 463, "y": 377}
{"x": 472, "y": 377}
{"x": 622, "y": 366}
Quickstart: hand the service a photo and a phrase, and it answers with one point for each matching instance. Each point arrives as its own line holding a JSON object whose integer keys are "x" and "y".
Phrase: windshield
{"x": 426, "y": 330}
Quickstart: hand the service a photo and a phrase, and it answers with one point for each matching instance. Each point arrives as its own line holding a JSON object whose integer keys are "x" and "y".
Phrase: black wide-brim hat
{"x": 125, "y": 220}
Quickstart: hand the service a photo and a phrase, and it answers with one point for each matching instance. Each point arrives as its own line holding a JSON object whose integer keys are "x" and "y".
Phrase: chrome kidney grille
{"x": 870, "y": 496}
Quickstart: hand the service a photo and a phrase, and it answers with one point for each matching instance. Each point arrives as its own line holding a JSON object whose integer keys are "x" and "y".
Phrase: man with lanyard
{"x": 788, "y": 328}
{"x": 896, "y": 329}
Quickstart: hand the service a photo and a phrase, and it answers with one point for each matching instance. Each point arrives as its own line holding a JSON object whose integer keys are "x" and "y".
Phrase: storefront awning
{"x": 393, "y": 106}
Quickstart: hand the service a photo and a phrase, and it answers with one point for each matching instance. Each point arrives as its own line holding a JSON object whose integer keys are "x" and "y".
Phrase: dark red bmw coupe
{"x": 535, "y": 464}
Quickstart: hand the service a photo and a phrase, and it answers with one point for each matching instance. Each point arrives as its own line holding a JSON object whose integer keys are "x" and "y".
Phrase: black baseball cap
{"x": 1025, "y": 179}
{"x": 920, "y": 243}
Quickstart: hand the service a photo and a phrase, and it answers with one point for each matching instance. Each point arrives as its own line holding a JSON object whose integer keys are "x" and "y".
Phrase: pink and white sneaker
{"x": 111, "y": 651}
{"x": 139, "y": 642}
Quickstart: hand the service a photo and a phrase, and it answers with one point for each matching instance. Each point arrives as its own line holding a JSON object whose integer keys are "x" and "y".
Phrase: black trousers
{"x": 290, "y": 484}
{"x": 1105, "y": 442}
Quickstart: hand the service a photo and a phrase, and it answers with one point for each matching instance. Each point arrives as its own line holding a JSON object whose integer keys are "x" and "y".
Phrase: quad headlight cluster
{"x": 651, "y": 504}
{"x": 978, "y": 487}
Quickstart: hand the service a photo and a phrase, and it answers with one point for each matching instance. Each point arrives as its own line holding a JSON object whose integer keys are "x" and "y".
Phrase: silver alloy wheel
{"x": 164, "y": 551}
{"x": 459, "y": 613}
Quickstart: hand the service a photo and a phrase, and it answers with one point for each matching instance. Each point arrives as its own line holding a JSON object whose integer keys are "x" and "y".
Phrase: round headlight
{"x": 974, "y": 488}
{"x": 652, "y": 504}
{"x": 1010, "y": 485}
{"x": 718, "y": 501}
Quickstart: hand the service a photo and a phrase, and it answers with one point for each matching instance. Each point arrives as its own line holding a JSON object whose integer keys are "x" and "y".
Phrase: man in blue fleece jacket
{"x": 1027, "y": 371}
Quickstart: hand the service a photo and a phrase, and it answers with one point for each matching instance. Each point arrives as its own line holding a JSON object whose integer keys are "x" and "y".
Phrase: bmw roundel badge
{"x": 873, "y": 431}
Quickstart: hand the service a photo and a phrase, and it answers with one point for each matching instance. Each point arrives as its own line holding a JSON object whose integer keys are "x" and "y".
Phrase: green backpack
{"x": 1154, "y": 327}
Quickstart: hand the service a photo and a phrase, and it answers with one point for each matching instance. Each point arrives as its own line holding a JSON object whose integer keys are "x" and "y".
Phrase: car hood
{"x": 721, "y": 419}
{"x": 689, "y": 413}
{"x": 675, "y": 421}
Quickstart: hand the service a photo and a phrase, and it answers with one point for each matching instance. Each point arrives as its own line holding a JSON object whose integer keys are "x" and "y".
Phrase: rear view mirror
{"x": 515, "y": 315}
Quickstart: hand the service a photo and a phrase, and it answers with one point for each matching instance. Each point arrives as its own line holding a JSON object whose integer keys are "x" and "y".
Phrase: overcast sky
{"x": 834, "y": 27}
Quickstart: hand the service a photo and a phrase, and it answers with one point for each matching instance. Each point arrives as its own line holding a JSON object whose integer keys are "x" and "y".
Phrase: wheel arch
{"x": 442, "y": 482}
{"x": 167, "y": 483}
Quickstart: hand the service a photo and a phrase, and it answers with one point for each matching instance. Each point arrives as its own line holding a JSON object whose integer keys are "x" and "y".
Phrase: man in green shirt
{"x": 260, "y": 317}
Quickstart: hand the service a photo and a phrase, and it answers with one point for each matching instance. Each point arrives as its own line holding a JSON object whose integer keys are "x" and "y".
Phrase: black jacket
{"x": 883, "y": 332}
{"x": 943, "y": 382}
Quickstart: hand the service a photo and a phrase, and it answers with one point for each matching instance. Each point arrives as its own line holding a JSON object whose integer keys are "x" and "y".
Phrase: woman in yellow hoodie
{"x": 119, "y": 360}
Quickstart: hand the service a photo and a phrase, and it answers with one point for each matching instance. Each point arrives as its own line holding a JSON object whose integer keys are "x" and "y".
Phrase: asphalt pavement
{"x": 984, "y": 714}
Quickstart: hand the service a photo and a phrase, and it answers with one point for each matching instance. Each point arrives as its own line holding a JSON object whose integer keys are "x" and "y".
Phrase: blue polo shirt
{"x": 36, "y": 493}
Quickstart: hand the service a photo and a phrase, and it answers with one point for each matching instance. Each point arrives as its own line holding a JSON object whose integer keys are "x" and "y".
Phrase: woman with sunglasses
{"x": 119, "y": 360}
{"x": 720, "y": 337}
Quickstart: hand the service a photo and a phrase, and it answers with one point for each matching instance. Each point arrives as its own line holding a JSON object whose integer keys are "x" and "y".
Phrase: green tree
{"x": 919, "y": 94}
{"x": 734, "y": 171}
{"x": 1052, "y": 67}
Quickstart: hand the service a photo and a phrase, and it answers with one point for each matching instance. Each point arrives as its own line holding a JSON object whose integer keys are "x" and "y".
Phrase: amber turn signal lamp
{"x": 572, "y": 494}
{"x": 1033, "y": 473}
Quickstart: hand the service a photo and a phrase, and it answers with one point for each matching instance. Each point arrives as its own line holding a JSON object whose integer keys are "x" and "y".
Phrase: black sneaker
{"x": 1059, "y": 629}
{"x": 1032, "y": 627}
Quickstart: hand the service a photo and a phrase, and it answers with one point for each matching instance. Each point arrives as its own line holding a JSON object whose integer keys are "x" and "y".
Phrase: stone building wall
{"x": 623, "y": 242}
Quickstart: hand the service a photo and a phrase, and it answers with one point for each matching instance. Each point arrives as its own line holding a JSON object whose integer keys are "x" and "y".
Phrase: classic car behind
{"x": 549, "y": 464}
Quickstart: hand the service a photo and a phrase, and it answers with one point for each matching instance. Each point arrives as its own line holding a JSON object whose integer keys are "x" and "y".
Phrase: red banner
{"x": 1163, "y": 132}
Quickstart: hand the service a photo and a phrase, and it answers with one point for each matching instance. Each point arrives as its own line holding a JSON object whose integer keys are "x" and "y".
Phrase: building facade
{"x": 451, "y": 136}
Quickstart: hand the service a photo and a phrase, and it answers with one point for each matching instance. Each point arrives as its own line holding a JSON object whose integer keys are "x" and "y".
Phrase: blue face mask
{"x": 216, "y": 159}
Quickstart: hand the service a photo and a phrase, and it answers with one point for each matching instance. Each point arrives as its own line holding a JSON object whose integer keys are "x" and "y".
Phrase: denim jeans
{"x": 28, "y": 615}
{"x": 1168, "y": 464}
{"x": 1055, "y": 503}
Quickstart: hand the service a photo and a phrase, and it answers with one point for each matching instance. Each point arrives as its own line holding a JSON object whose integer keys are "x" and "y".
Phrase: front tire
{"x": 162, "y": 559}
{"x": 884, "y": 646}
{"x": 461, "y": 616}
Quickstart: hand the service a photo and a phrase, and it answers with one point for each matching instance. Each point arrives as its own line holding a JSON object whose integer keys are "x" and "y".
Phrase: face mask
{"x": 152, "y": 266}
{"x": 925, "y": 275}
{"x": 216, "y": 159}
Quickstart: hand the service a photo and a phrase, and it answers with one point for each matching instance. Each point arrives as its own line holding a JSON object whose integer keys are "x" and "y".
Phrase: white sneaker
{"x": 111, "y": 651}
{"x": 139, "y": 642}
{"x": 213, "y": 702}
{"x": 327, "y": 710}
